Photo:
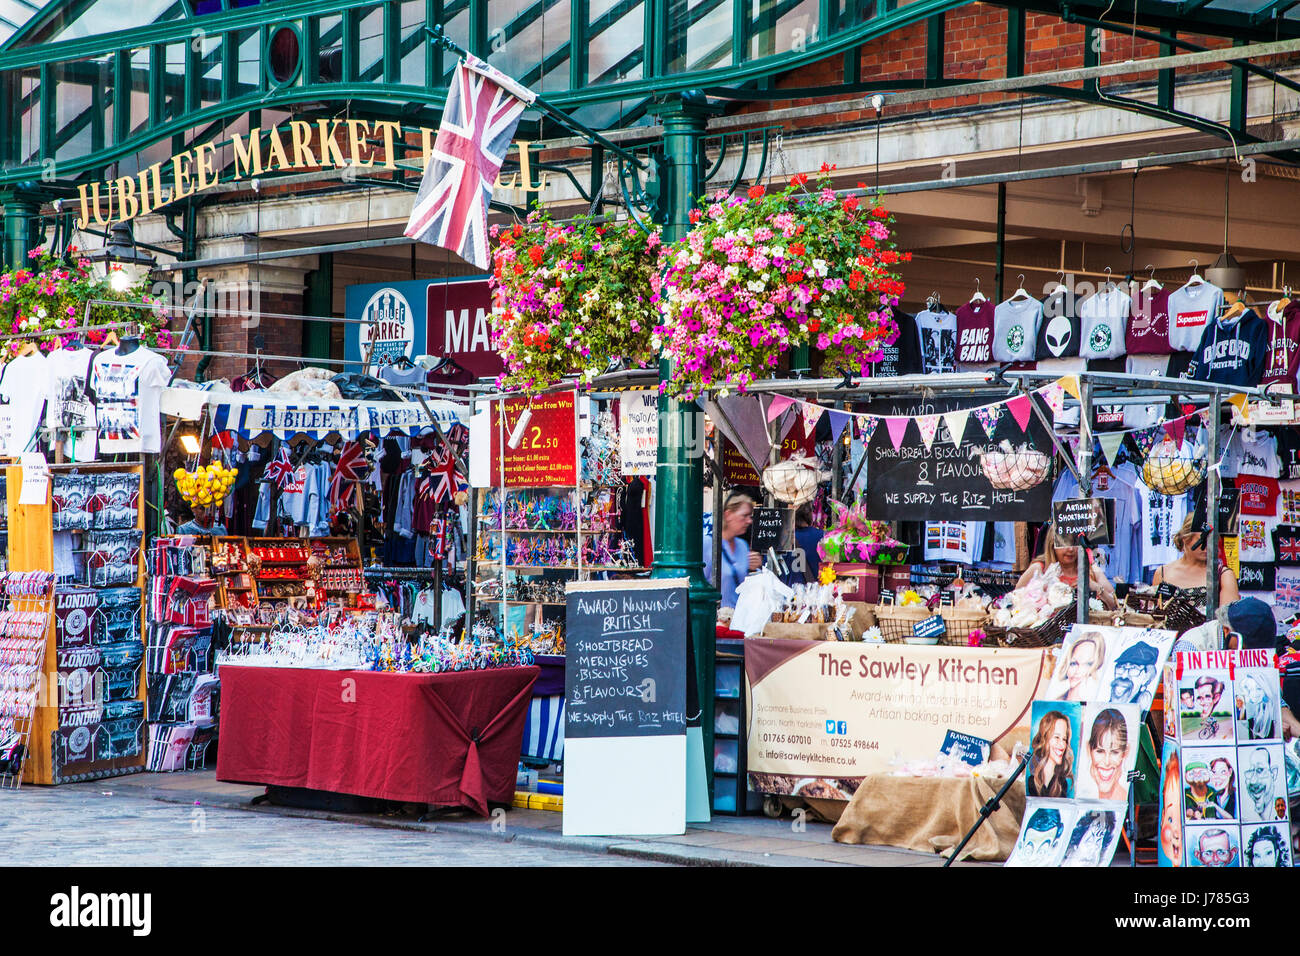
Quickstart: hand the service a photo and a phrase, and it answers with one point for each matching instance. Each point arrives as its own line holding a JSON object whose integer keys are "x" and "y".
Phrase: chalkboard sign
{"x": 1165, "y": 590}
{"x": 943, "y": 482}
{"x": 933, "y": 626}
{"x": 625, "y": 659}
{"x": 947, "y": 598}
{"x": 1081, "y": 516}
{"x": 886, "y": 595}
{"x": 771, "y": 529}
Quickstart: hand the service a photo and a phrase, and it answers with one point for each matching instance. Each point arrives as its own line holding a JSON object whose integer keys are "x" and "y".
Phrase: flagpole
{"x": 437, "y": 36}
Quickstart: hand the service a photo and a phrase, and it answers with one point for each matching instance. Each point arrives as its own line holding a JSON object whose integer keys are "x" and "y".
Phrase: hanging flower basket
{"x": 763, "y": 273}
{"x": 573, "y": 299}
{"x": 1016, "y": 469}
{"x": 1171, "y": 470}
{"x": 856, "y": 538}
{"x": 52, "y": 295}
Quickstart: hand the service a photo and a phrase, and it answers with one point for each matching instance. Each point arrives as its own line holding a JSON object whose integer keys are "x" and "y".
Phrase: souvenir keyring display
{"x": 26, "y": 608}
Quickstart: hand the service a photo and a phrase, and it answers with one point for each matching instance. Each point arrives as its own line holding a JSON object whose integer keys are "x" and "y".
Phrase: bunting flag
{"x": 1021, "y": 408}
{"x": 1146, "y": 438}
{"x": 1072, "y": 443}
{"x": 988, "y": 416}
{"x": 928, "y": 424}
{"x": 897, "y": 429}
{"x": 837, "y": 421}
{"x": 1175, "y": 429}
{"x": 778, "y": 405}
{"x": 1239, "y": 400}
{"x": 868, "y": 425}
{"x": 810, "y": 414}
{"x": 956, "y": 422}
{"x": 1054, "y": 396}
{"x": 1110, "y": 442}
{"x": 1070, "y": 383}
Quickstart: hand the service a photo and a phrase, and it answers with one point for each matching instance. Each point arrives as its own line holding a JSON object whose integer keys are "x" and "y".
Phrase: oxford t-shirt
{"x": 1232, "y": 351}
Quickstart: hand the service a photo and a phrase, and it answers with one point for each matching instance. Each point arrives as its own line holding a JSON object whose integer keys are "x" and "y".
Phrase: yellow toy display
{"x": 205, "y": 487}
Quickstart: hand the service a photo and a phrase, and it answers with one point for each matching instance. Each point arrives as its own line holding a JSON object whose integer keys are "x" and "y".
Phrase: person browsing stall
{"x": 1187, "y": 572}
{"x": 737, "y": 561}
{"x": 1064, "y": 561}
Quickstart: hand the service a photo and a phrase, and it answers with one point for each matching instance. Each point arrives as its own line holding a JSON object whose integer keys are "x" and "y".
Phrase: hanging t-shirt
{"x": 1103, "y": 317}
{"x": 1283, "y": 344}
{"x": 1015, "y": 329}
{"x": 23, "y": 384}
{"x": 68, "y": 406}
{"x": 1286, "y": 593}
{"x": 1251, "y": 456}
{"x": 1144, "y": 416}
{"x": 1191, "y": 309}
{"x": 1004, "y": 542}
{"x": 975, "y": 335}
{"x": 903, "y": 357}
{"x": 1288, "y": 452}
{"x": 961, "y": 541}
{"x": 1148, "y": 324}
{"x": 1058, "y": 330}
{"x": 126, "y": 391}
{"x": 1256, "y": 576}
{"x": 1286, "y": 542}
{"x": 938, "y": 339}
{"x": 1288, "y": 501}
{"x": 1259, "y": 494}
{"x": 1162, "y": 516}
{"x": 1232, "y": 351}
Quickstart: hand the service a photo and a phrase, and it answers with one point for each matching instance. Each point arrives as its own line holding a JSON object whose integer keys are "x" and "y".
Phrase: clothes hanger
{"x": 1196, "y": 276}
{"x": 1151, "y": 285}
{"x": 1020, "y": 292}
{"x": 978, "y": 296}
{"x": 110, "y": 339}
{"x": 1060, "y": 284}
{"x": 1283, "y": 302}
{"x": 1110, "y": 281}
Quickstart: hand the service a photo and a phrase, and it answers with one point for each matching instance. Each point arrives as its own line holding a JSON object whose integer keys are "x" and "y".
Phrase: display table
{"x": 441, "y": 739}
{"x": 932, "y": 814}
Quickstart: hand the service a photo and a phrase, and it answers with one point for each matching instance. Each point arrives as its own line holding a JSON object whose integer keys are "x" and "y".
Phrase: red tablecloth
{"x": 443, "y": 739}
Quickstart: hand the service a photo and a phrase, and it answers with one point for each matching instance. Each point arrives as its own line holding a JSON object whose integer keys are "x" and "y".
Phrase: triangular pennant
{"x": 897, "y": 429}
{"x": 1110, "y": 442}
{"x": 1054, "y": 396}
{"x": 1070, "y": 383}
{"x": 1239, "y": 400}
{"x": 988, "y": 416}
{"x": 810, "y": 414}
{"x": 1072, "y": 442}
{"x": 837, "y": 421}
{"x": 868, "y": 425}
{"x": 928, "y": 424}
{"x": 1021, "y": 409}
{"x": 956, "y": 422}
{"x": 778, "y": 405}
{"x": 1146, "y": 437}
{"x": 1175, "y": 429}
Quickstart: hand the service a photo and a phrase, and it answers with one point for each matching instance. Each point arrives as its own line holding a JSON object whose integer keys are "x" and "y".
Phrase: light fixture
{"x": 1226, "y": 273}
{"x": 120, "y": 261}
{"x": 190, "y": 443}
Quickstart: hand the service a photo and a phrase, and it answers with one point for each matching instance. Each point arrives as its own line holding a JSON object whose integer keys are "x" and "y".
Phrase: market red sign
{"x": 737, "y": 470}
{"x": 460, "y": 325}
{"x": 547, "y": 449}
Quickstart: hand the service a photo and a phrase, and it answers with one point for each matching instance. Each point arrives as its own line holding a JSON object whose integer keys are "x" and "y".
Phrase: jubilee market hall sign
{"x": 338, "y": 144}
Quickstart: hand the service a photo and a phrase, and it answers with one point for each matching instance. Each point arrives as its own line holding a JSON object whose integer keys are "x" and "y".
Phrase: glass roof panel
{"x": 15, "y": 14}
{"x": 76, "y": 19}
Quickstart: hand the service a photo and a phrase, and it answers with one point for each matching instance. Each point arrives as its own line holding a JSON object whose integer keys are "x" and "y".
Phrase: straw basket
{"x": 1172, "y": 474}
{"x": 1046, "y": 634}
{"x": 895, "y": 623}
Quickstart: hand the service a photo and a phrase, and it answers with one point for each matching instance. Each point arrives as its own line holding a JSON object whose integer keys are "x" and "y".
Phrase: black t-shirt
{"x": 1288, "y": 452}
{"x": 1058, "y": 331}
{"x": 904, "y": 356}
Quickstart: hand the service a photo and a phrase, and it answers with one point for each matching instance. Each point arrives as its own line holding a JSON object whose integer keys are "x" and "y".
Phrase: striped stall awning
{"x": 252, "y": 413}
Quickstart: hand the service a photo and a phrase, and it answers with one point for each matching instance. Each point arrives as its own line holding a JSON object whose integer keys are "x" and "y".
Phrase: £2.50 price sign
{"x": 546, "y": 453}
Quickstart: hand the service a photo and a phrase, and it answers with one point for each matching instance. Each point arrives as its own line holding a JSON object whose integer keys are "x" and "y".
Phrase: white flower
{"x": 41, "y": 312}
{"x": 819, "y": 266}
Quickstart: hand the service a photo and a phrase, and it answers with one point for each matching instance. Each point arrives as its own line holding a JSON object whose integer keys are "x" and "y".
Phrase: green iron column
{"x": 22, "y": 210}
{"x": 679, "y": 473}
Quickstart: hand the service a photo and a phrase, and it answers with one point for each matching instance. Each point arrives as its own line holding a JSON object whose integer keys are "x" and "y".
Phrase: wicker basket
{"x": 895, "y": 623}
{"x": 1172, "y": 475}
{"x": 1046, "y": 634}
{"x": 1181, "y": 615}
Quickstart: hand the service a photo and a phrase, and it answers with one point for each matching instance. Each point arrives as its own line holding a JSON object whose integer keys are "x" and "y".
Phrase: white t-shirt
{"x": 1162, "y": 516}
{"x": 961, "y": 541}
{"x": 1256, "y": 540}
{"x": 1190, "y": 309}
{"x": 126, "y": 391}
{"x": 1004, "y": 542}
{"x": 24, "y": 384}
{"x": 1144, "y": 416}
{"x": 1015, "y": 329}
{"x": 1258, "y": 457}
{"x": 1102, "y": 318}
{"x": 69, "y": 406}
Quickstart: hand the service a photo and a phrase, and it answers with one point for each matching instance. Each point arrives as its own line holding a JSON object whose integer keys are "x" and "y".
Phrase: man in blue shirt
{"x": 737, "y": 562}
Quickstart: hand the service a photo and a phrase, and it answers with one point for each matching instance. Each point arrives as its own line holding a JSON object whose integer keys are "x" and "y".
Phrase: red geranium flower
{"x": 756, "y": 191}
{"x": 535, "y": 254}
{"x": 797, "y": 248}
{"x": 798, "y": 179}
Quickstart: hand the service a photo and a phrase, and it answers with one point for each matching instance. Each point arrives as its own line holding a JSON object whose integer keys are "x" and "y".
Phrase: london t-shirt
{"x": 975, "y": 335}
{"x": 1148, "y": 324}
{"x": 1191, "y": 309}
{"x": 23, "y": 384}
{"x": 937, "y": 333}
{"x": 1288, "y": 453}
{"x": 68, "y": 405}
{"x": 1283, "y": 359}
{"x": 126, "y": 389}
{"x": 1247, "y": 456}
{"x": 1259, "y": 495}
{"x": 1015, "y": 329}
{"x": 1103, "y": 317}
{"x": 903, "y": 357}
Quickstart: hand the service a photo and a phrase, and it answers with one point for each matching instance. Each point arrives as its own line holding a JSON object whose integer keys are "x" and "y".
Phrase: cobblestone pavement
{"x": 104, "y": 825}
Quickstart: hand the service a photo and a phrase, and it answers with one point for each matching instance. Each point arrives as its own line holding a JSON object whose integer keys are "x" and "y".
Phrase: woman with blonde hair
{"x": 737, "y": 561}
{"x": 1187, "y": 572}
{"x": 1064, "y": 558}
{"x": 1053, "y": 760}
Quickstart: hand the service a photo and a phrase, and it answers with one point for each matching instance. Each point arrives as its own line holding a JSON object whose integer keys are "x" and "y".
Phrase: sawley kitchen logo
{"x": 75, "y": 909}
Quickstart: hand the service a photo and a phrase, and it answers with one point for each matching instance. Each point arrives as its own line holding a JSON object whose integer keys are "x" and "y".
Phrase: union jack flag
{"x": 280, "y": 470}
{"x": 483, "y": 108}
{"x": 352, "y": 463}
{"x": 1288, "y": 549}
{"x": 446, "y": 479}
